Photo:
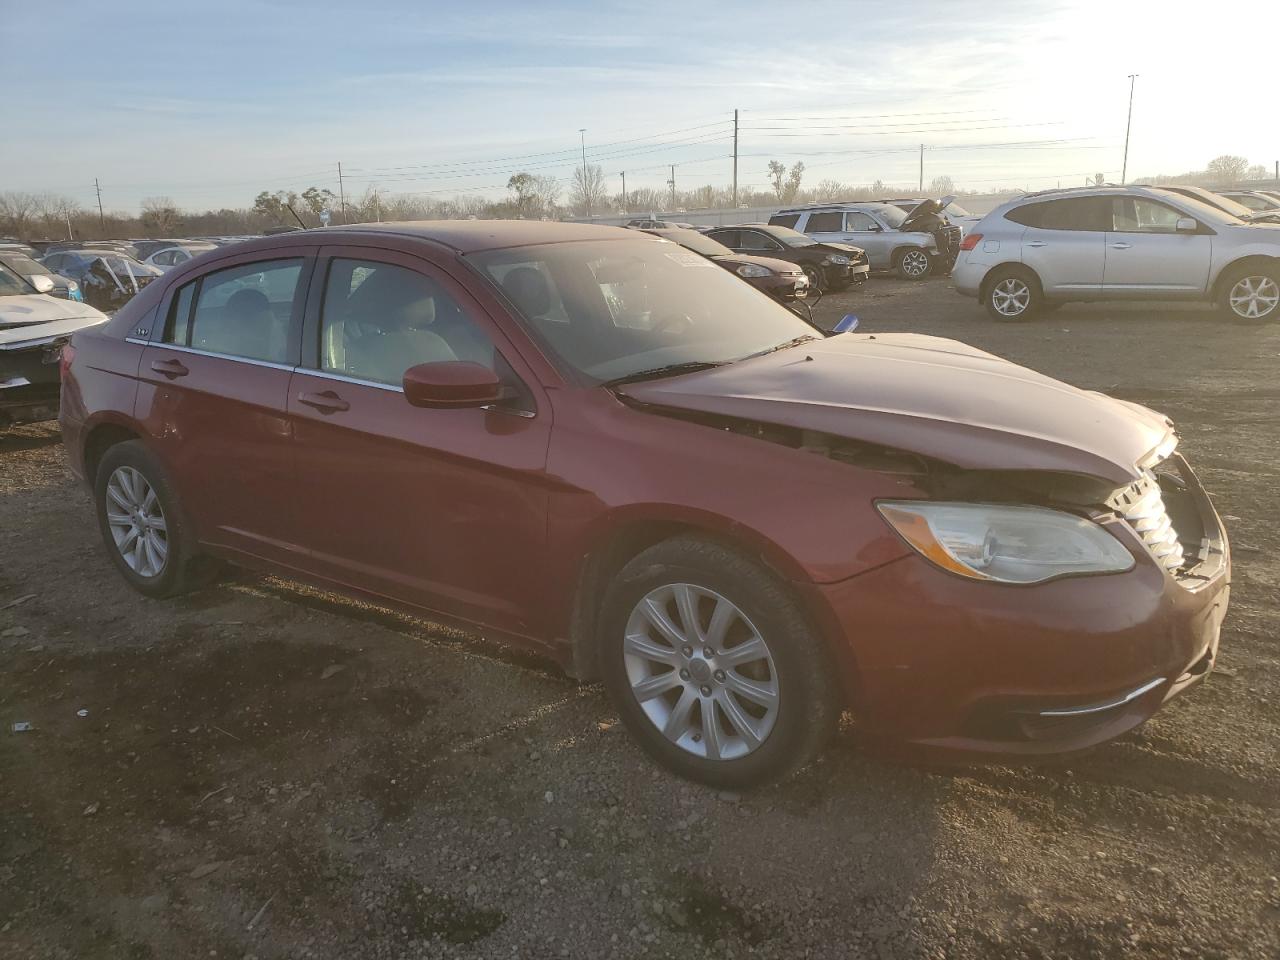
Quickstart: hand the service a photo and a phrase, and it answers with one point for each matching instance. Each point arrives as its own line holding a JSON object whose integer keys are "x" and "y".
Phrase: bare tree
{"x": 56, "y": 213}
{"x": 830, "y": 190}
{"x": 588, "y": 191}
{"x": 16, "y": 209}
{"x": 1099, "y": 179}
{"x": 942, "y": 186}
{"x": 1227, "y": 169}
{"x": 547, "y": 192}
{"x": 160, "y": 215}
{"x": 1256, "y": 172}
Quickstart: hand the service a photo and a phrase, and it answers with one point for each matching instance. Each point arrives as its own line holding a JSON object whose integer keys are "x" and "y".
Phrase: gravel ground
{"x": 266, "y": 771}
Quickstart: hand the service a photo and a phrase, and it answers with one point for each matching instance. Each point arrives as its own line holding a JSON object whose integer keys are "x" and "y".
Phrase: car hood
{"x": 783, "y": 267}
{"x": 36, "y": 315}
{"x": 939, "y": 398}
{"x": 836, "y": 247}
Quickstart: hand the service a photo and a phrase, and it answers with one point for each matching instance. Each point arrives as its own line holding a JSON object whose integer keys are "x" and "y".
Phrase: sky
{"x": 209, "y": 103}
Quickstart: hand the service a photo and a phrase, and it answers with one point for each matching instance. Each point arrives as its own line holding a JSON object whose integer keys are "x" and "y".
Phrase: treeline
{"x": 28, "y": 216}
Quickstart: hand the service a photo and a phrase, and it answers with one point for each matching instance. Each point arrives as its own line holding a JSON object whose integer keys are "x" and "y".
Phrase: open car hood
{"x": 938, "y": 398}
{"x": 924, "y": 209}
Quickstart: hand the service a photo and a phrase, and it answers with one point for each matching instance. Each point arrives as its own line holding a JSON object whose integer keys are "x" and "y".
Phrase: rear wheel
{"x": 912, "y": 263}
{"x": 1252, "y": 294}
{"x": 1013, "y": 295}
{"x": 712, "y": 666}
{"x": 142, "y": 525}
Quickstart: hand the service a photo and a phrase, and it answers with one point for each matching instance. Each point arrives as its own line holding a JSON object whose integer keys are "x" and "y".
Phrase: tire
{"x": 817, "y": 280}
{"x": 1013, "y": 295}
{"x": 1251, "y": 294}
{"x": 718, "y": 735}
{"x": 912, "y": 263}
{"x": 160, "y": 561}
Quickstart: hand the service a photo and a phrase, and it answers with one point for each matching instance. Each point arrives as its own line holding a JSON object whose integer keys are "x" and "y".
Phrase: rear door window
{"x": 728, "y": 237}
{"x": 1075, "y": 213}
{"x": 243, "y": 311}
{"x": 825, "y": 222}
{"x": 755, "y": 241}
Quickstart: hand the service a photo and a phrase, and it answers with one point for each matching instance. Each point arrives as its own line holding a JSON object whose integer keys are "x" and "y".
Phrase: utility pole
{"x": 102, "y": 221}
{"x": 586, "y": 193}
{"x": 342, "y": 193}
{"x": 377, "y": 204}
{"x": 1124, "y": 170}
{"x": 922, "y": 168}
{"x": 735, "y": 159}
{"x": 672, "y": 181}
{"x": 624, "y": 191}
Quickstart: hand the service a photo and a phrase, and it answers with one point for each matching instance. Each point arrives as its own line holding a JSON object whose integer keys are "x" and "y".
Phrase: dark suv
{"x": 829, "y": 266}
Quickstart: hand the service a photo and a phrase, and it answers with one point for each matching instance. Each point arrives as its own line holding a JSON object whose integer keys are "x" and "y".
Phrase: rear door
{"x": 1065, "y": 244}
{"x": 214, "y": 381}
{"x": 445, "y": 509}
{"x": 1147, "y": 256}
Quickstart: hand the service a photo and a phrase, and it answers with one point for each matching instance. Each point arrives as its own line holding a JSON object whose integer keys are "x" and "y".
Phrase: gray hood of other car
{"x": 931, "y": 396}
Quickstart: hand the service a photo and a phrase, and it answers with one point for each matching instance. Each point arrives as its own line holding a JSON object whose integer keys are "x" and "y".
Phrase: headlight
{"x": 752, "y": 270}
{"x": 839, "y": 259}
{"x": 1006, "y": 544}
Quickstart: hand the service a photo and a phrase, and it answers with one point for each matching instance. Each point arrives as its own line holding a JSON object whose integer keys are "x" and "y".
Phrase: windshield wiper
{"x": 669, "y": 370}
{"x": 794, "y": 342}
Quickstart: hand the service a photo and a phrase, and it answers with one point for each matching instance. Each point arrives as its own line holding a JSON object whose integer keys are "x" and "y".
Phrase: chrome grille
{"x": 1142, "y": 506}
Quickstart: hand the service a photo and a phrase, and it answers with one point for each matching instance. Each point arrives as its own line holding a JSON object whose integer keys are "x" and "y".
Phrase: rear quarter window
{"x": 784, "y": 220}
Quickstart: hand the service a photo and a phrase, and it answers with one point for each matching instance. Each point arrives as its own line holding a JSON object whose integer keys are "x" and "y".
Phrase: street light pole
{"x": 624, "y": 191}
{"x": 1124, "y": 170}
{"x": 586, "y": 193}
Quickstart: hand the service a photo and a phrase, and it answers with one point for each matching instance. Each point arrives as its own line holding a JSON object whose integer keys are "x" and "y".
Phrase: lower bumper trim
{"x": 1105, "y": 706}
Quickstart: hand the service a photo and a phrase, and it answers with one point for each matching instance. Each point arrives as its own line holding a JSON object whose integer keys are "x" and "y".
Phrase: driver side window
{"x": 380, "y": 319}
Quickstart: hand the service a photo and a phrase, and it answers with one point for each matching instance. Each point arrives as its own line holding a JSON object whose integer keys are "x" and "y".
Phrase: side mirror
{"x": 452, "y": 385}
{"x": 1187, "y": 225}
{"x": 42, "y": 283}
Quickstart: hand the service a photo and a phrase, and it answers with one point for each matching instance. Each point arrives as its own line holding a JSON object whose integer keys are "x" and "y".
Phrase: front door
{"x": 1148, "y": 256}
{"x": 444, "y": 509}
{"x": 214, "y": 381}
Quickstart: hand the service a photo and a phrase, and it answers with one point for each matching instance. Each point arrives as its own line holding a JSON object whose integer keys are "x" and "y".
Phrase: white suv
{"x": 1118, "y": 243}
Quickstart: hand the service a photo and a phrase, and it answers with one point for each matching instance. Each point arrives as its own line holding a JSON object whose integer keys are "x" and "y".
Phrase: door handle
{"x": 1036, "y": 243}
{"x": 1121, "y": 246}
{"x": 169, "y": 368}
{"x": 325, "y": 402}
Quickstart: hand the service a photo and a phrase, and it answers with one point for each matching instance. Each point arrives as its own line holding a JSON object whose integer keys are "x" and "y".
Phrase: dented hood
{"x": 935, "y": 397}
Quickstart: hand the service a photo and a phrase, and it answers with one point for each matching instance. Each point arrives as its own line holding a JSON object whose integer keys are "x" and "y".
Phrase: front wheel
{"x": 712, "y": 666}
{"x": 1252, "y": 295}
{"x": 817, "y": 282}
{"x": 1011, "y": 296}
{"x": 913, "y": 264}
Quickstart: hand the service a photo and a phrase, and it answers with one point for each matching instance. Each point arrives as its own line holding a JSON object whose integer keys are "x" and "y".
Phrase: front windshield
{"x": 24, "y": 265}
{"x": 11, "y": 285}
{"x": 792, "y": 238}
{"x": 698, "y": 243}
{"x": 612, "y": 309}
{"x": 890, "y": 215}
{"x": 956, "y": 210}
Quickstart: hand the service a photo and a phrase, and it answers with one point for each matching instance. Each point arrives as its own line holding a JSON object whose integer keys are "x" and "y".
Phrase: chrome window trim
{"x": 1109, "y": 705}
{"x": 252, "y": 361}
{"x": 343, "y": 378}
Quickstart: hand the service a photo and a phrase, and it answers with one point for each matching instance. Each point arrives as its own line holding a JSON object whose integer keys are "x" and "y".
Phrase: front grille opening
{"x": 1170, "y": 512}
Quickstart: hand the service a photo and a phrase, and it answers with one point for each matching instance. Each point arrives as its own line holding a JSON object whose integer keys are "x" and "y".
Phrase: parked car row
{"x": 1045, "y": 249}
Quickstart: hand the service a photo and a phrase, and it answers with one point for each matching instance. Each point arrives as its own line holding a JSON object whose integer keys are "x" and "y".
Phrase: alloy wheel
{"x": 137, "y": 522}
{"x": 701, "y": 672}
{"x": 814, "y": 275}
{"x": 1254, "y": 297}
{"x": 1011, "y": 297}
{"x": 915, "y": 263}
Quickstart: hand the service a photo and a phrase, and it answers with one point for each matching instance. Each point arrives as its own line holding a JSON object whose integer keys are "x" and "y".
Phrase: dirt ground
{"x": 265, "y": 771}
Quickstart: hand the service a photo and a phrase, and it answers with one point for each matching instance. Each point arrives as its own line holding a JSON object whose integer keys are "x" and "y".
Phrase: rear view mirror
{"x": 42, "y": 283}
{"x": 1187, "y": 225}
{"x": 451, "y": 384}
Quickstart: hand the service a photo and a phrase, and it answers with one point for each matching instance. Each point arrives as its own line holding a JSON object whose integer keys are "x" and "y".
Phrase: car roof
{"x": 836, "y": 205}
{"x": 464, "y": 236}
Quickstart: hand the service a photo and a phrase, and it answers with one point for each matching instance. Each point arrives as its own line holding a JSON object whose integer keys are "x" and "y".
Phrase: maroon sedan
{"x": 588, "y": 442}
